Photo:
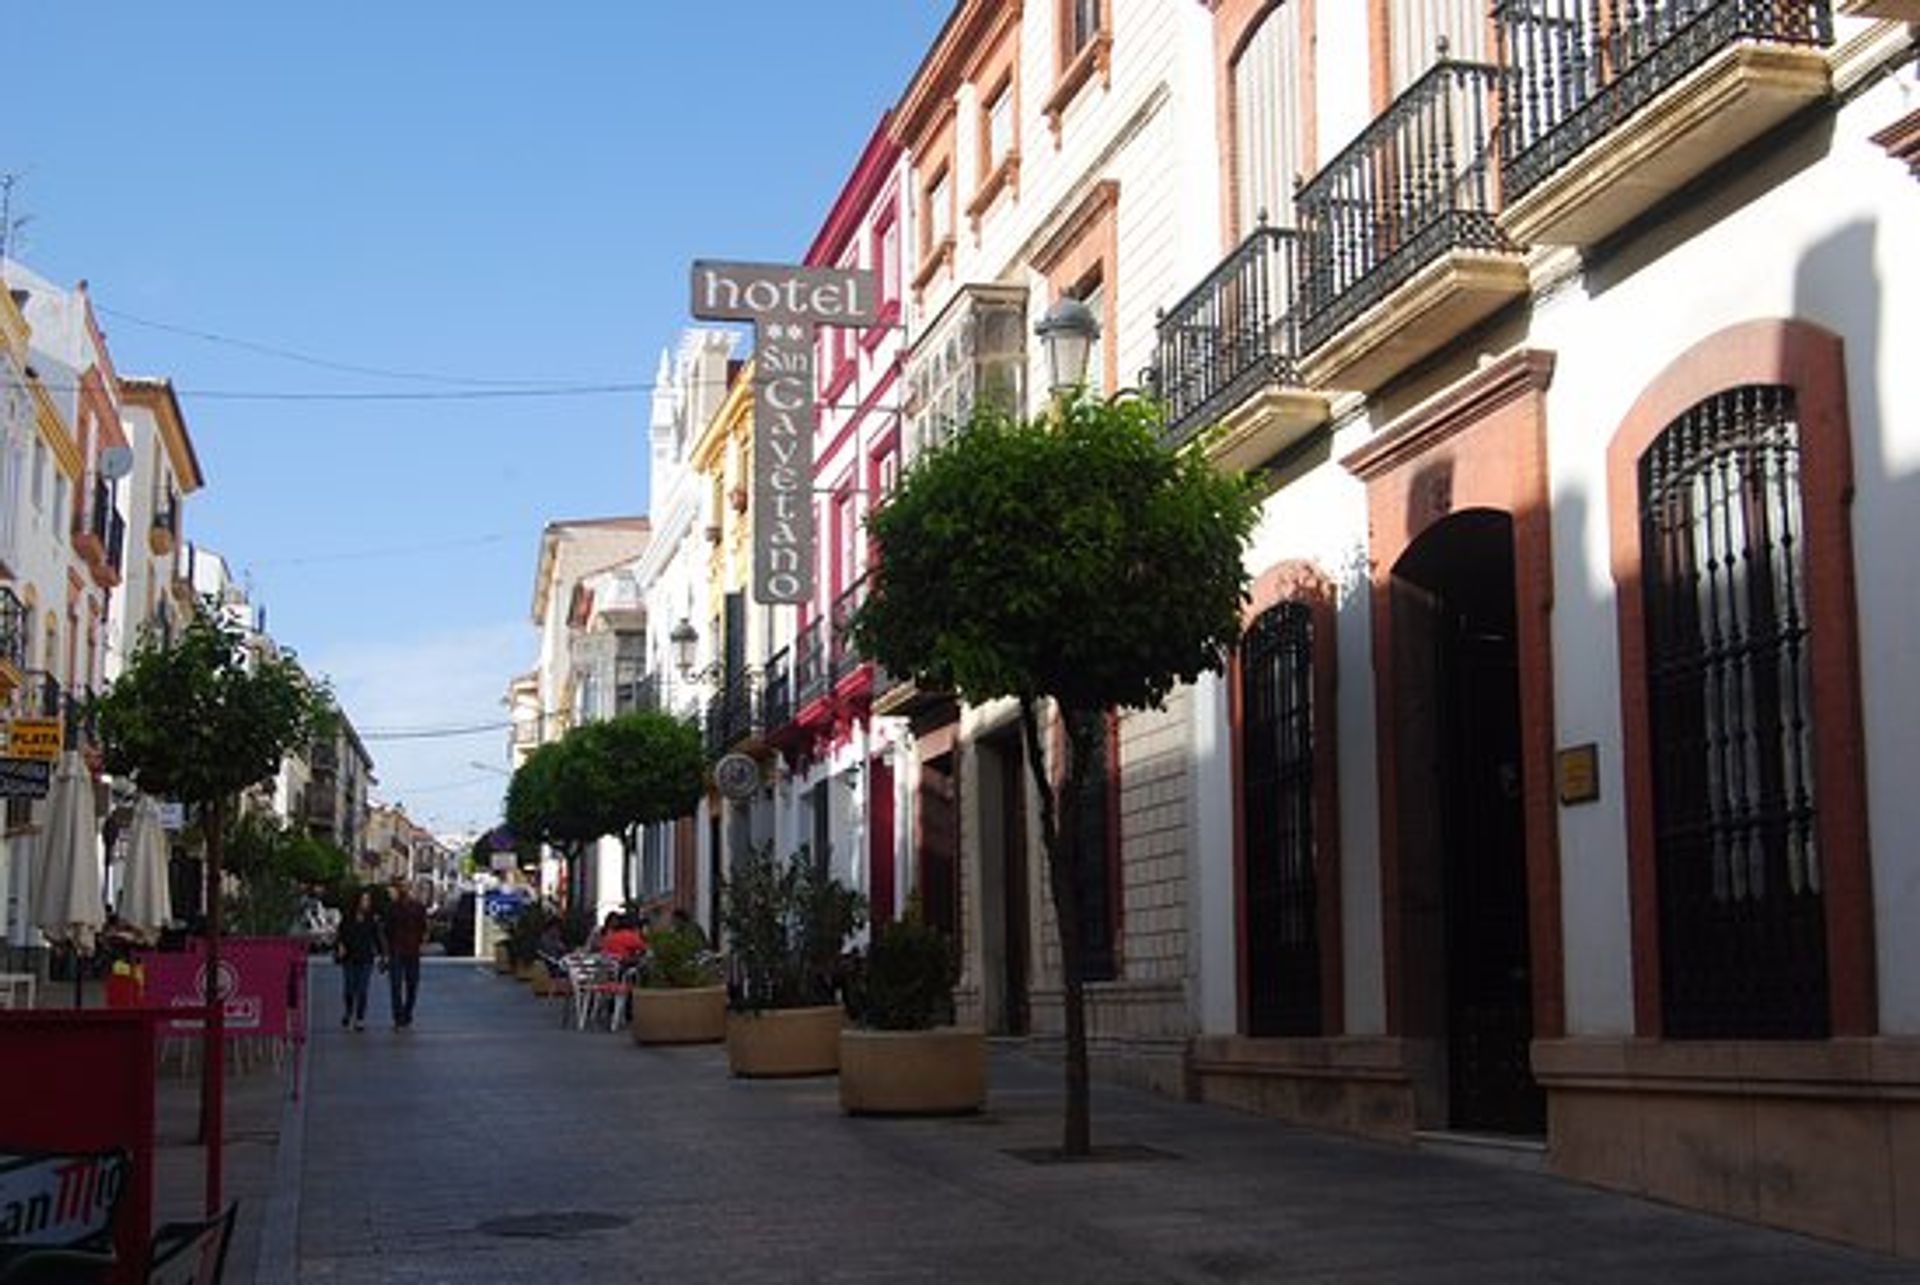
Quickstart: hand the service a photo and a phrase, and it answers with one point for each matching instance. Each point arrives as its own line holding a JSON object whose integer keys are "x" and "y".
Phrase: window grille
{"x": 1276, "y": 791}
{"x": 1729, "y": 693}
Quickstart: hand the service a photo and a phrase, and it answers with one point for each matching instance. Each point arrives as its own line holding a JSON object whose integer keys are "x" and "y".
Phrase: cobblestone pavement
{"x": 488, "y": 1144}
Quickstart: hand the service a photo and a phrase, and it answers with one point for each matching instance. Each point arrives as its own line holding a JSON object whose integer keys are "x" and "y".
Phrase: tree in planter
{"x": 787, "y": 923}
{"x": 643, "y": 767}
{"x": 201, "y": 718}
{"x": 1068, "y": 558}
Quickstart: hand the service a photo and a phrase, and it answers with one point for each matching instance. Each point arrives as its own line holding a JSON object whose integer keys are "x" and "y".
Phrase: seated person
{"x": 623, "y": 939}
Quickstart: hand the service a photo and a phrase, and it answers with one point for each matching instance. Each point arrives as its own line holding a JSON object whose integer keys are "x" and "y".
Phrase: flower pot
{"x": 784, "y": 1041}
{"x": 690, "y": 1015}
{"x": 937, "y": 1072}
{"x": 527, "y": 970}
{"x": 502, "y": 961}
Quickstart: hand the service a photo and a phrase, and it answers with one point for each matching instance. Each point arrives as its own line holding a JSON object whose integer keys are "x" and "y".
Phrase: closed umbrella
{"x": 146, "y": 903}
{"x": 67, "y": 905}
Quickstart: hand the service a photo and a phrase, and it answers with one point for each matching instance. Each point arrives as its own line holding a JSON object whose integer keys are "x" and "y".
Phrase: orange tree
{"x": 1069, "y": 559}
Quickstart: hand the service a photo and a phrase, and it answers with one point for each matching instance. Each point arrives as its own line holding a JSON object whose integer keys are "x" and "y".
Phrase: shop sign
{"x": 25, "y": 778}
{"x": 786, "y": 305}
{"x": 34, "y": 738}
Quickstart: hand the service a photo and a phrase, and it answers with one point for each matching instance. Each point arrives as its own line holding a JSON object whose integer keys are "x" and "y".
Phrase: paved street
{"x": 490, "y": 1145}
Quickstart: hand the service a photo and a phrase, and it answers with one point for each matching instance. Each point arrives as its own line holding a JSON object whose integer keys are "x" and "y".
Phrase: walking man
{"x": 406, "y": 933}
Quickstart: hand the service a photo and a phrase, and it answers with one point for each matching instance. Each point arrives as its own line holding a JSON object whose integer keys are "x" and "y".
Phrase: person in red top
{"x": 406, "y": 934}
{"x": 623, "y": 939}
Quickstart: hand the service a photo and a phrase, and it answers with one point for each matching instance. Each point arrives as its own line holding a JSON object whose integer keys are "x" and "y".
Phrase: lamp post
{"x": 1068, "y": 330}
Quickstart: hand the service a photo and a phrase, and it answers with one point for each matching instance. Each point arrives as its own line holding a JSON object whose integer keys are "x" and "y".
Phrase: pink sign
{"x": 262, "y": 985}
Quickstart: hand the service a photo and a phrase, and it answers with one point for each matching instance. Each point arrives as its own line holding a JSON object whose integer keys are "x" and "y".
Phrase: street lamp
{"x": 683, "y": 640}
{"x": 1068, "y": 330}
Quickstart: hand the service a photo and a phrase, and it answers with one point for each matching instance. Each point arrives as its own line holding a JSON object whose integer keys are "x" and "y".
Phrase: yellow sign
{"x": 34, "y": 738}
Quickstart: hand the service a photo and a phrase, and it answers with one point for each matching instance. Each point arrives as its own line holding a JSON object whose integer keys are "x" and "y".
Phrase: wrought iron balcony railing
{"x": 13, "y": 630}
{"x": 1576, "y": 68}
{"x": 1415, "y": 185}
{"x": 842, "y": 655}
{"x": 776, "y": 694}
{"x": 810, "y": 661}
{"x": 1232, "y": 333}
{"x": 731, "y": 712}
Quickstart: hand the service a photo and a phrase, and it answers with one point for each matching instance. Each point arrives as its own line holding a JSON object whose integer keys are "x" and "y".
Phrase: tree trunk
{"x": 629, "y": 842}
{"x": 213, "y": 1056}
{"x": 1059, "y": 834}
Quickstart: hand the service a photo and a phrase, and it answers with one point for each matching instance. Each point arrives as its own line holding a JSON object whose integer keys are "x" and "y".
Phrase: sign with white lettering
{"x": 785, "y": 304}
{"x": 60, "y": 1200}
{"x": 25, "y": 778}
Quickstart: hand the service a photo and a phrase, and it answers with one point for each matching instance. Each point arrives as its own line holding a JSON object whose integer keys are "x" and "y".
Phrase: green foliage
{"x": 204, "y": 717}
{"x": 787, "y": 923}
{"x": 606, "y": 778}
{"x": 525, "y": 927}
{"x": 1069, "y": 556}
{"x": 272, "y": 866}
{"x": 906, "y": 983}
{"x": 677, "y": 958}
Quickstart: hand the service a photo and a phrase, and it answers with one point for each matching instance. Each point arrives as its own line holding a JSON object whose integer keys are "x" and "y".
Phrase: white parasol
{"x": 146, "y": 904}
{"x": 67, "y": 902}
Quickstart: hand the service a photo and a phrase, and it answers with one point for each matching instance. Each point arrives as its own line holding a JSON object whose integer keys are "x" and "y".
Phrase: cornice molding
{"x": 1902, "y": 140}
{"x": 1446, "y": 414}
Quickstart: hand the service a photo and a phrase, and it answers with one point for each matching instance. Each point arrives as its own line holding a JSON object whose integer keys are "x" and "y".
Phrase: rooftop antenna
{"x": 9, "y": 226}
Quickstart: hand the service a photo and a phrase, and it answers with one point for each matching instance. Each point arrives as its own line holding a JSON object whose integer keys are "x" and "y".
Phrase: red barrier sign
{"x": 262, "y": 985}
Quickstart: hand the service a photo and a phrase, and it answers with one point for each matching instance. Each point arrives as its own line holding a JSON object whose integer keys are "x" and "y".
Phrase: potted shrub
{"x": 525, "y": 926}
{"x": 905, "y": 1057}
{"x": 679, "y": 996}
{"x": 787, "y": 923}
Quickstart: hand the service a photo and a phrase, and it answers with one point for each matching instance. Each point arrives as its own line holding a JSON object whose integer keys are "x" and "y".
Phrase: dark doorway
{"x": 880, "y": 839}
{"x": 1463, "y": 834}
{"x": 1005, "y": 921}
{"x": 938, "y": 844}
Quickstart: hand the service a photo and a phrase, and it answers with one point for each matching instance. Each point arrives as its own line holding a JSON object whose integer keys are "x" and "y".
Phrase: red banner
{"x": 262, "y": 984}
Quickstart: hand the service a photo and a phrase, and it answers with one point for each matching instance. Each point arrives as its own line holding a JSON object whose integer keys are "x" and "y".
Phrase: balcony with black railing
{"x": 13, "y": 640}
{"x": 1610, "y": 107}
{"x": 842, "y": 655}
{"x": 776, "y": 693}
{"x": 810, "y": 676}
{"x": 732, "y": 712}
{"x": 1227, "y": 354}
{"x": 1402, "y": 248}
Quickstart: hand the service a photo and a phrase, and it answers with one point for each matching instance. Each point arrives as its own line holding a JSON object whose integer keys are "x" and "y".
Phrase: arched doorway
{"x": 1461, "y": 816}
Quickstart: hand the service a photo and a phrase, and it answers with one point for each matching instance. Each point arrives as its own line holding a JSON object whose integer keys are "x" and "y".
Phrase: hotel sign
{"x": 785, "y": 304}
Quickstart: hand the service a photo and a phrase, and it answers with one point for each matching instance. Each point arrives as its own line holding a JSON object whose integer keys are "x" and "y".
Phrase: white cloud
{"x": 456, "y": 679}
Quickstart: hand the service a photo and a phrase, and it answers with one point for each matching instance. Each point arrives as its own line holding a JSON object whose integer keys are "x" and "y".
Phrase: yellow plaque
{"x": 1579, "y": 773}
{"x": 34, "y": 738}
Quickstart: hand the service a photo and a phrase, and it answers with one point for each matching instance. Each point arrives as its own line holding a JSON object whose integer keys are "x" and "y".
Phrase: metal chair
{"x": 599, "y": 991}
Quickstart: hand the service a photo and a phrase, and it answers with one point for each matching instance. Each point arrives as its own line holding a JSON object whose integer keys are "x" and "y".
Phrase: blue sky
{"x": 477, "y": 192}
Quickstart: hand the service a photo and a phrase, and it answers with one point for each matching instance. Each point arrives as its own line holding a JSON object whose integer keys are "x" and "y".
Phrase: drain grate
{"x": 560, "y": 1225}
{"x": 1119, "y": 1153}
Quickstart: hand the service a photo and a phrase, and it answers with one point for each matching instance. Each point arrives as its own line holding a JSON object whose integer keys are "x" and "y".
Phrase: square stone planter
{"x": 785, "y": 1041}
{"x": 938, "y": 1072}
{"x": 689, "y": 1015}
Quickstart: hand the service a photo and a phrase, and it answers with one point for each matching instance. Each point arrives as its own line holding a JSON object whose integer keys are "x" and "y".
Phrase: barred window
{"x": 1276, "y": 791}
{"x": 1729, "y": 691}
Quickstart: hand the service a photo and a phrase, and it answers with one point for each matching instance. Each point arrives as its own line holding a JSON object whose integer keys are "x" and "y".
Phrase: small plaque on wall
{"x": 1579, "y": 773}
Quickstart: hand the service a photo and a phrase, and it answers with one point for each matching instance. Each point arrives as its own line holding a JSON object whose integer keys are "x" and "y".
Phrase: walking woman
{"x": 360, "y": 942}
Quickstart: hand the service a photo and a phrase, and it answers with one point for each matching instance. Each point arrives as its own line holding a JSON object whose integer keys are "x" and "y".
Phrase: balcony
{"x": 163, "y": 535}
{"x": 100, "y": 535}
{"x": 842, "y": 656}
{"x": 731, "y": 713}
{"x": 1227, "y": 355}
{"x": 1608, "y": 109}
{"x": 13, "y": 642}
{"x": 810, "y": 662}
{"x": 1402, "y": 250}
{"x": 776, "y": 694}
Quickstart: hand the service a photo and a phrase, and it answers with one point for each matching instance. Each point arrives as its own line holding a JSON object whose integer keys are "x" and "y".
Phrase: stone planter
{"x": 785, "y": 1041}
{"x": 526, "y": 972}
{"x": 937, "y": 1072}
{"x": 502, "y": 962}
{"x": 691, "y": 1015}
